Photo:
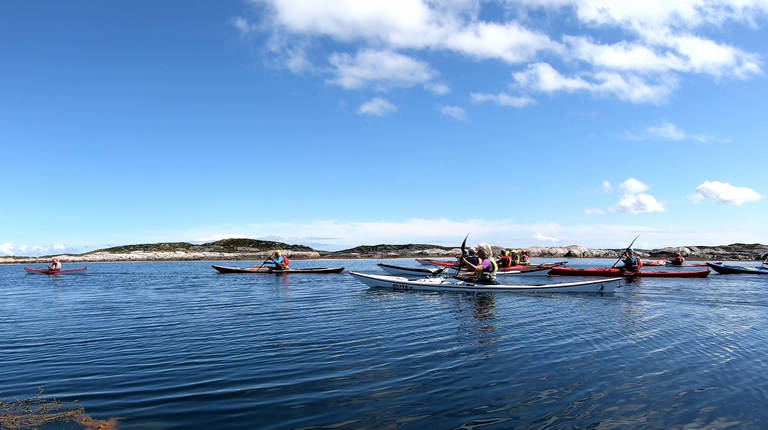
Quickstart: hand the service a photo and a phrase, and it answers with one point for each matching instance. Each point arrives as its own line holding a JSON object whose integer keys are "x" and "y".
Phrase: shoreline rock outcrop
{"x": 251, "y": 249}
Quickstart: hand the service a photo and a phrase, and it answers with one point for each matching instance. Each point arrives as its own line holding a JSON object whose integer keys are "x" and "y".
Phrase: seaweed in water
{"x": 35, "y": 412}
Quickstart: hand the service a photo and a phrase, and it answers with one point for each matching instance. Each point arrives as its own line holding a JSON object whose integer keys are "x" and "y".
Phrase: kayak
{"x": 519, "y": 267}
{"x": 661, "y": 262}
{"x": 728, "y": 269}
{"x": 417, "y": 271}
{"x": 54, "y": 272}
{"x": 670, "y": 264}
{"x": 398, "y": 283}
{"x": 441, "y": 263}
{"x": 226, "y": 269}
{"x": 569, "y": 271}
{"x": 410, "y": 271}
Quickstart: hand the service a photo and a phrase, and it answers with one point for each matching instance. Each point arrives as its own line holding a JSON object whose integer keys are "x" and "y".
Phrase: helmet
{"x": 55, "y": 259}
{"x": 514, "y": 251}
{"x": 278, "y": 253}
{"x": 523, "y": 251}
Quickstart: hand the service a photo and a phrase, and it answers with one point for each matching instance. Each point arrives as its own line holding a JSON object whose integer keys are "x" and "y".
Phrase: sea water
{"x": 178, "y": 345}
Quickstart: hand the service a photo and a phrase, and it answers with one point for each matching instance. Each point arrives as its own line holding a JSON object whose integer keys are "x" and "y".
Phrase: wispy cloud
{"x": 382, "y": 69}
{"x": 454, "y": 112}
{"x": 668, "y": 131}
{"x": 635, "y": 88}
{"x": 722, "y": 192}
{"x": 377, "y": 107}
{"x": 502, "y": 99}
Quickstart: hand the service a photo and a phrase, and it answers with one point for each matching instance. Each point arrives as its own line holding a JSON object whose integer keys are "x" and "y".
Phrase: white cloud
{"x": 544, "y": 238}
{"x": 639, "y": 203}
{"x": 633, "y": 186}
{"x": 595, "y": 211}
{"x": 634, "y": 200}
{"x": 454, "y": 112}
{"x": 502, "y": 99}
{"x": 722, "y": 192}
{"x": 543, "y": 77}
{"x": 633, "y": 50}
{"x": 376, "y": 106}
{"x": 607, "y": 187}
{"x": 383, "y": 69}
{"x": 6, "y": 248}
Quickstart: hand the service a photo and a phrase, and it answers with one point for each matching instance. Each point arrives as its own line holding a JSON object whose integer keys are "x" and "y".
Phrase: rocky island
{"x": 252, "y": 249}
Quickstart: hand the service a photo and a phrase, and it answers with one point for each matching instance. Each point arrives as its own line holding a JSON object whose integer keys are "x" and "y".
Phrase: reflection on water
{"x": 177, "y": 345}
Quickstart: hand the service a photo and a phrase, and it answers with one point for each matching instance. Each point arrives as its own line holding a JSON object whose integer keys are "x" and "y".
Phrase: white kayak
{"x": 398, "y": 283}
{"x": 411, "y": 271}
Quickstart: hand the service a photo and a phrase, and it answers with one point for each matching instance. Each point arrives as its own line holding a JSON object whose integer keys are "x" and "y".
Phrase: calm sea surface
{"x": 178, "y": 345}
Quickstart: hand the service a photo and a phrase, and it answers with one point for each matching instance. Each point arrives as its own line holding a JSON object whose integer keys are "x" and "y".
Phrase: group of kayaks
{"x": 444, "y": 276}
{"x": 401, "y": 278}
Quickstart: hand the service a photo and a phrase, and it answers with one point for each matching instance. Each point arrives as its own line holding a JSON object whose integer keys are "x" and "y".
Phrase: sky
{"x": 336, "y": 124}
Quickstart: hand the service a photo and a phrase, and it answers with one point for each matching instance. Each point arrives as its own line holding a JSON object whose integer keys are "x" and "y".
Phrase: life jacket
{"x": 488, "y": 275}
{"x": 525, "y": 259}
{"x": 286, "y": 264}
{"x": 515, "y": 259}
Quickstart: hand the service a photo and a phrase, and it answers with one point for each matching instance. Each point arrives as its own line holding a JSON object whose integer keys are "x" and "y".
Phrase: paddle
{"x": 463, "y": 254}
{"x": 262, "y": 264}
{"x": 625, "y": 251}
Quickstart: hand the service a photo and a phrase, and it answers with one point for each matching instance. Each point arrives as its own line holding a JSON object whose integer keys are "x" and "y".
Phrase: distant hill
{"x": 225, "y": 245}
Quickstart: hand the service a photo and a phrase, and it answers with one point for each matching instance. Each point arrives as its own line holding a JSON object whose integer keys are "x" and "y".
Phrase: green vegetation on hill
{"x": 225, "y": 245}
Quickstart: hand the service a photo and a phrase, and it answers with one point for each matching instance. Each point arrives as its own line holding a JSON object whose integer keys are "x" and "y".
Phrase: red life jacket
{"x": 286, "y": 262}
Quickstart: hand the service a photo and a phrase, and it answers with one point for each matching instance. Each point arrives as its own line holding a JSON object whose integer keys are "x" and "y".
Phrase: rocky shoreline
{"x": 251, "y": 249}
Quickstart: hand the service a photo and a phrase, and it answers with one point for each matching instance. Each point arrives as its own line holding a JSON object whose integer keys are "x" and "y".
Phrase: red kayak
{"x": 597, "y": 271}
{"x": 54, "y": 272}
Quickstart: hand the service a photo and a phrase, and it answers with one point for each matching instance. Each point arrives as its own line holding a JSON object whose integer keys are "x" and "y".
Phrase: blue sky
{"x": 524, "y": 123}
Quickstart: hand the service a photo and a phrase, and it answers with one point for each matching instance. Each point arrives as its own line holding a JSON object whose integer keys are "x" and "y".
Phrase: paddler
{"x": 678, "y": 260}
{"x": 472, "y": 258}
{"x": 55, "y": 264}
{"x": 485, "y": 272}
{"x": 525, "y": 259}
{"x": 631, "y": 262}
{"x": 280, "y": 262}
{"x": 515, "y": 257}
{"x": 504, "y": 260}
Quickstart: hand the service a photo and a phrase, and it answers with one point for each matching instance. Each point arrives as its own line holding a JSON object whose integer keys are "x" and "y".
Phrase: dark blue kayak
{"x": 727, "y": 269}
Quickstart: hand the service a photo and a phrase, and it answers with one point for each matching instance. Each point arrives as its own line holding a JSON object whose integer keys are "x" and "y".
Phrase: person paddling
{"x": 504, "y": 260}
{"x": 514, "y": 257}
{"x": 280, "y": 262}
{"x": 525, "y": 259}
{"x": 631, "y": 262}
{"x": 55, "y": 265}
{"x": 678, "y": 259}
{"x": 485, "y": 272}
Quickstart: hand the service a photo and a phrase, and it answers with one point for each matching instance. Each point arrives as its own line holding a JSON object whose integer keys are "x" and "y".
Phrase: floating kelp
{"x": 36, "y": 412}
